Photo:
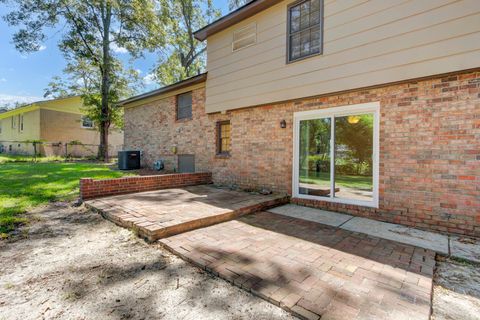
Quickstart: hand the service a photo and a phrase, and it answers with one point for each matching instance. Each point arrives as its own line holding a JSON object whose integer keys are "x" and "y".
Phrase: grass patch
{"x": 346, "y": 181}
{"x": 7, "y": 158}
{"x": 24, "y": 185}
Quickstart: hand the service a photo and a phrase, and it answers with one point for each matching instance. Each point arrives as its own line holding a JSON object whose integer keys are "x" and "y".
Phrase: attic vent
{"x": 244, "y": 37}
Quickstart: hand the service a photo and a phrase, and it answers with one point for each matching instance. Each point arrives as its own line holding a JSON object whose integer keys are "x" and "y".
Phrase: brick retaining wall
{"x": 90, "y": 188}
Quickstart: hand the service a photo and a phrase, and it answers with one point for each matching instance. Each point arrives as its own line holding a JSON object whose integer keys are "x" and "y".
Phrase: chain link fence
{"x": 72, "y": 149}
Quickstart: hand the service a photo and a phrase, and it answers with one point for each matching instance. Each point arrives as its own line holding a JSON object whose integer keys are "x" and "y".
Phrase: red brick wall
{"x": 90, "y": 188}
{"x": 429, "y": 148}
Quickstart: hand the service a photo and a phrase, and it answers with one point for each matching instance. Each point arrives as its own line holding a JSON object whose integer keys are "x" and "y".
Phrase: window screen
{"x": 223, "y": 137}
{"x": 87, "y": 122}
{"x": 184, "y": 106}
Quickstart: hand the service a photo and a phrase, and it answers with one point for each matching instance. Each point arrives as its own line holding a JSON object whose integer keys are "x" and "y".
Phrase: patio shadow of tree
{"x": 372, "y": 248}
{"x": 274, "y": 280}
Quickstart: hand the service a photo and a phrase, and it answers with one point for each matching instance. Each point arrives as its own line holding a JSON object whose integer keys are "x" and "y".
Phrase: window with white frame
{"x": 336, "y": 154}
{"x": 244, "y": 37}
{"x": 14, "y": 122}
{"x": 87, "y": 123}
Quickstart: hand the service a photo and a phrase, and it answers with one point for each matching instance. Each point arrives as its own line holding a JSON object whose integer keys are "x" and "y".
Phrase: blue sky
{"x": 24, "y": 77}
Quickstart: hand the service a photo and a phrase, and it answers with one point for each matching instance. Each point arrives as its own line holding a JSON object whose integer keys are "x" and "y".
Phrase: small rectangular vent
{"x": 244, "y": 37}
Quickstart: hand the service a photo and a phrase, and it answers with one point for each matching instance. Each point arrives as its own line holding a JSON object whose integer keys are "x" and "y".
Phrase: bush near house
{"x": 24, "y": 185}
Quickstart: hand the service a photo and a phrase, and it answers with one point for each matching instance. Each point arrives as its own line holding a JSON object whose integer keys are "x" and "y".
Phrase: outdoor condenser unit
{"x": 128, "y": 160}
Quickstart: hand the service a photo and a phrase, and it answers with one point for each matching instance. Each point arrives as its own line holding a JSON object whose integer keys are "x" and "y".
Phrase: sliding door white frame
{"x": 332, "y": 113}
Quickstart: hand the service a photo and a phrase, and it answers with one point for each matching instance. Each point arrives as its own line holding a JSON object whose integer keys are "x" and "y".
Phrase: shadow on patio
{"x": 314, "y": 270}
{"x": 160, "y": 213}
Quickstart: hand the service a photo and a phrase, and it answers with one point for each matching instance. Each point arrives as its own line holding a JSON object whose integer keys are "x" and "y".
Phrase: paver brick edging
{"x": 91, "y": 188}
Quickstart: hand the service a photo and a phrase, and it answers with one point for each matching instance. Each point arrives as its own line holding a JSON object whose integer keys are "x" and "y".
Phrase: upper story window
{"x": 14, "y": 122}
{"x": 244, "y": 37}
{"x": 184, "y": 106}
{"x": 0, "y": 126}
{"x": 305, "y": 24}
{"x": 87, "y": 123}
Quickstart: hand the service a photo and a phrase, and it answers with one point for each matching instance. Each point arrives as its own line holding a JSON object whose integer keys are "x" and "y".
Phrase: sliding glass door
{"x": 336, "y": 154}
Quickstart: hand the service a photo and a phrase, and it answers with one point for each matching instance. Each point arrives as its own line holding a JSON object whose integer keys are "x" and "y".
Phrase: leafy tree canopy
{"x": 235, "y": 4}
{"x": 184, "y": 56}
{"x": 88, "y": 30}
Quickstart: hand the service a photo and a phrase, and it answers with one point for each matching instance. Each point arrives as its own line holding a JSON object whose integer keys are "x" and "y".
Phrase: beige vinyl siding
{"x": 365, "y": 43}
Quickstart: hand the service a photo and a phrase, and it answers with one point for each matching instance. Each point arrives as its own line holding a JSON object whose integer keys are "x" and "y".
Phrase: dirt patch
{"x": 456, "y": 292}
{"x": 72, "y": 264}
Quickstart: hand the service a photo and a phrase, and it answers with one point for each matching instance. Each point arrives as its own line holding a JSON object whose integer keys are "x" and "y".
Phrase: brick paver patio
{"x": 160, "y": 213}
{"x": 314, "y": 270}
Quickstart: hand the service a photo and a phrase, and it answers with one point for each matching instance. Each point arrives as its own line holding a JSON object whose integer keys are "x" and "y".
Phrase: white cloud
{"x": 7, "y": 99}
{"x": 42, "y": 47}
{"x": 118, "y": 49}
{"x": 149, "y": 79}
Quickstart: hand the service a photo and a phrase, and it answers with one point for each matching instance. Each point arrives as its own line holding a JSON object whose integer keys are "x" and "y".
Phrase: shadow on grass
{"x": 27, "y": 185}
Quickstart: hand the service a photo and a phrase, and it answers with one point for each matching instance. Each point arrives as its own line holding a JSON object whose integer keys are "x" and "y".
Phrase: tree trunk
{"x": 105, "y": 110}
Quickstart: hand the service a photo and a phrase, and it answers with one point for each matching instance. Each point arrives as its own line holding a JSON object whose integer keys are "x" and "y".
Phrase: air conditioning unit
{"x": 128, "y": 160}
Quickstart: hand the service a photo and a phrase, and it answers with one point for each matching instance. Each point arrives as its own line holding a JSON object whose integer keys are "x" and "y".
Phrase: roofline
{"x": 31, "y": 106}
{"x": 234, "y": 17}
{"x": 178, "y": 85}
{"x": 56, "y": 99}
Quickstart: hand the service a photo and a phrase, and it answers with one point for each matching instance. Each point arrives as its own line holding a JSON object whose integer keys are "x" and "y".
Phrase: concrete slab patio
{"x": 161, "y": 213}
{"x": 314, "y": 270}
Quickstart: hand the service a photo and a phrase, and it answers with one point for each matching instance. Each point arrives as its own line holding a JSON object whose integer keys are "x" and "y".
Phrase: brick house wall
{"x": 429, "y": 148}
{"x": 64, "y": 127}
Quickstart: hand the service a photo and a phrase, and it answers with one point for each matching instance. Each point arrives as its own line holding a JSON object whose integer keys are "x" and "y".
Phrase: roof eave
{"x": 234, "y": 17}
{"x": 176, "y": 86}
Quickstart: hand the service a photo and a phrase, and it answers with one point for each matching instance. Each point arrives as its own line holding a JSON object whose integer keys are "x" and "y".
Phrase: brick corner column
{"x": 85, "y": 188}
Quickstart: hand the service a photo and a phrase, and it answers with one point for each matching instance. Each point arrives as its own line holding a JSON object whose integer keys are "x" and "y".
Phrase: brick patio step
{"x": 176, "y": 211}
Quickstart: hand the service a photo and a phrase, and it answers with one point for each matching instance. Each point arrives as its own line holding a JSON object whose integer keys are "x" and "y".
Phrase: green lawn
{"x": 4, "y": 158}
{"x": 24, "y": 185}
{"x": 346, "y": 181}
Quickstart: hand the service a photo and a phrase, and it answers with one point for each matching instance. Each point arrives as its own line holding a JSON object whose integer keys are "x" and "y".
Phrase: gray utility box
{"x": 128, "y": 160}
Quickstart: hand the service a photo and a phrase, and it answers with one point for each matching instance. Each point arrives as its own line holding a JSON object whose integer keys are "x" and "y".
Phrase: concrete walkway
{"x": 454, "y": 246}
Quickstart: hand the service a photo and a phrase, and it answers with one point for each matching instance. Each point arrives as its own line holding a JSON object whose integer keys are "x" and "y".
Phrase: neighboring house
{"x": 365, "y": 107}
{"x": 56, "y": 123}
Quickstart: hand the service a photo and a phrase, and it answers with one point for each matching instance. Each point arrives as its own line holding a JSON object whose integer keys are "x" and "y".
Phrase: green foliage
{"x": 353, "y": 144}
{"x": 235, "y": 4}
{"x": 184, "y": 56}
{"x": 88, "y": 30}
{"x": 26, "y": 185}
{"x": 83, "y": 79}
{"x": 358, "y": 138}
{"x": 341, "y": 180}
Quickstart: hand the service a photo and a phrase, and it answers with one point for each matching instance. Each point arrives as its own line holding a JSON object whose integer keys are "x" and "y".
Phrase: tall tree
{"x": 89, "y": 29}
{"x": 184, "y": 56}
{"x": 83, "y": 79}
{"x": 235, "y": 4}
